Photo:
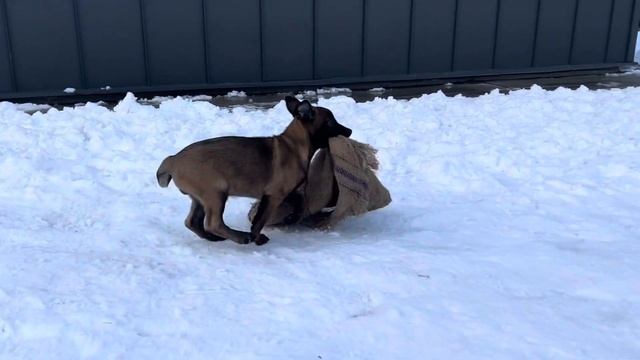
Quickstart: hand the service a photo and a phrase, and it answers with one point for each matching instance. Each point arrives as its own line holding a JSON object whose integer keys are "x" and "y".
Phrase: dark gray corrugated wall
{"x": 146, "y": 45}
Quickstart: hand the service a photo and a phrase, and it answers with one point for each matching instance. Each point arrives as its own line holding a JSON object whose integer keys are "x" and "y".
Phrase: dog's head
{"x": 318, "y": 121}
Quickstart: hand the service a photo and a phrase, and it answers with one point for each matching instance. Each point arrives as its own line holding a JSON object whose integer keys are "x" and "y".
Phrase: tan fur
{"x": 265, "y": 168}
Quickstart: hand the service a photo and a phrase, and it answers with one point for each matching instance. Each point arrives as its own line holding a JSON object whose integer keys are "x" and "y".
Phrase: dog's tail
{"x": 164, "y": 172}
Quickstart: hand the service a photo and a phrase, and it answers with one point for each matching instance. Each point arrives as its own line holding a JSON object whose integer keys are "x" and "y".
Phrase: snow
{"x": 513, "y": 233}
{"x": 378, "y": 90}
{"x": 29, "y": 107}
{"x": 333, "y": 90}
{"x": 156, "y": 100}
{"x": 324, "y": 92}
{"x": 69, "y": 90}
{"x": 235, "y": 93}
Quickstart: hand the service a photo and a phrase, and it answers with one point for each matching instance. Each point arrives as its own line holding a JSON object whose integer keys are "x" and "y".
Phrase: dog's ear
{"x": 301, "y": 110}
{"x": 304, "y": 110}
{"x": 292, "y": 104}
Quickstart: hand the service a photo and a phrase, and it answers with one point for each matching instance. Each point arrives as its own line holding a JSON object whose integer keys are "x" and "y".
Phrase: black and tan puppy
{"x": 265, "y": 168}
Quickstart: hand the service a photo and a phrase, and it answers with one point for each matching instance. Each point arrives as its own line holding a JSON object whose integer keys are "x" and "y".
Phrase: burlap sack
{"x": 341, "y": 183}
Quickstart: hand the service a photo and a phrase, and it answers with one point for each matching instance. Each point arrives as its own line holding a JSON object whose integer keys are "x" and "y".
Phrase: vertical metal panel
{"x": 6, "y": 68}
{"x": 363, "y": 43}
{"x": 313, "y": 37}
{"x": 76, "y": 27}
{"x": 606, "y": 48}
{"x": 261, "y": 40}
{"x": 455, "y": 33}
{"x": 287, "y": 27}
{"x": 44, "y": 44}
{"x": 619, "y": 31}
{"x": 233, "y": 38}
{"x": 475, "y": 34}
{"x": 387, "y": 36}
{"x": 573, "y": 32}
{"x": 591, "y": 32}
{"x": 555, "y": 29}
{"x": 175, "y": 41}
{"x": 112, "y": 42}
{"x": 633, "y": 30}
{"x": 145, "y": 45}
{"x": 433, "y": 29}
{"x": 205, "y": 39}
{"x": 410, "y": 46}
{"x": 495, "y": 33}
{"x": 338, "y": 38}
{"x": 535, "y": 34}
{"x": 516, "y": 33}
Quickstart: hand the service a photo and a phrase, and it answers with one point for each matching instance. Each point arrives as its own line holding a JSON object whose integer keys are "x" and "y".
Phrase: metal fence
{"x": 103, "y": 46}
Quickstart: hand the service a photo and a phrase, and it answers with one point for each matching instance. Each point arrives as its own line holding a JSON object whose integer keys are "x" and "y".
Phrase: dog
{"x": 266, "y": 168}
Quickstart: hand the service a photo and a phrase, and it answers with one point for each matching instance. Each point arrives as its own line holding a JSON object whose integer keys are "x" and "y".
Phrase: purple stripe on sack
{"x": 344, "y": 172}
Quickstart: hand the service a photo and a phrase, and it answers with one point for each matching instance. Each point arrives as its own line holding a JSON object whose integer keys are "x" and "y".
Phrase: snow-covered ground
{"x": 514, "y": 234}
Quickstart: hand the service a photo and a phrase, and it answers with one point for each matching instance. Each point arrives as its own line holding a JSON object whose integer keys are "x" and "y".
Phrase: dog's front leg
{"x": 268, "y": 204}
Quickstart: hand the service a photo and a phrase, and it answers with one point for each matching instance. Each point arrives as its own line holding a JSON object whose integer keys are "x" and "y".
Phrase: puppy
{"x": 264, "y": 168}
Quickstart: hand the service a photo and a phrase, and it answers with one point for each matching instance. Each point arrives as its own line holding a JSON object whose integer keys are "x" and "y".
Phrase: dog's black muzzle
{"x": 344, "y": 131}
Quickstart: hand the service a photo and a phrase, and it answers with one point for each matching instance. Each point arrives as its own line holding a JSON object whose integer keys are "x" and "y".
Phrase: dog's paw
{"x": 245, "y": 240}
{"x": 292, "y": 219}
{"x": 261, "y": 240}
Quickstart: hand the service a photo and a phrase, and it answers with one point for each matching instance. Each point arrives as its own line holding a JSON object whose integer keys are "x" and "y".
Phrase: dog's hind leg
{"x": 195, "y": 222}
{"x": 213, "y": 222}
